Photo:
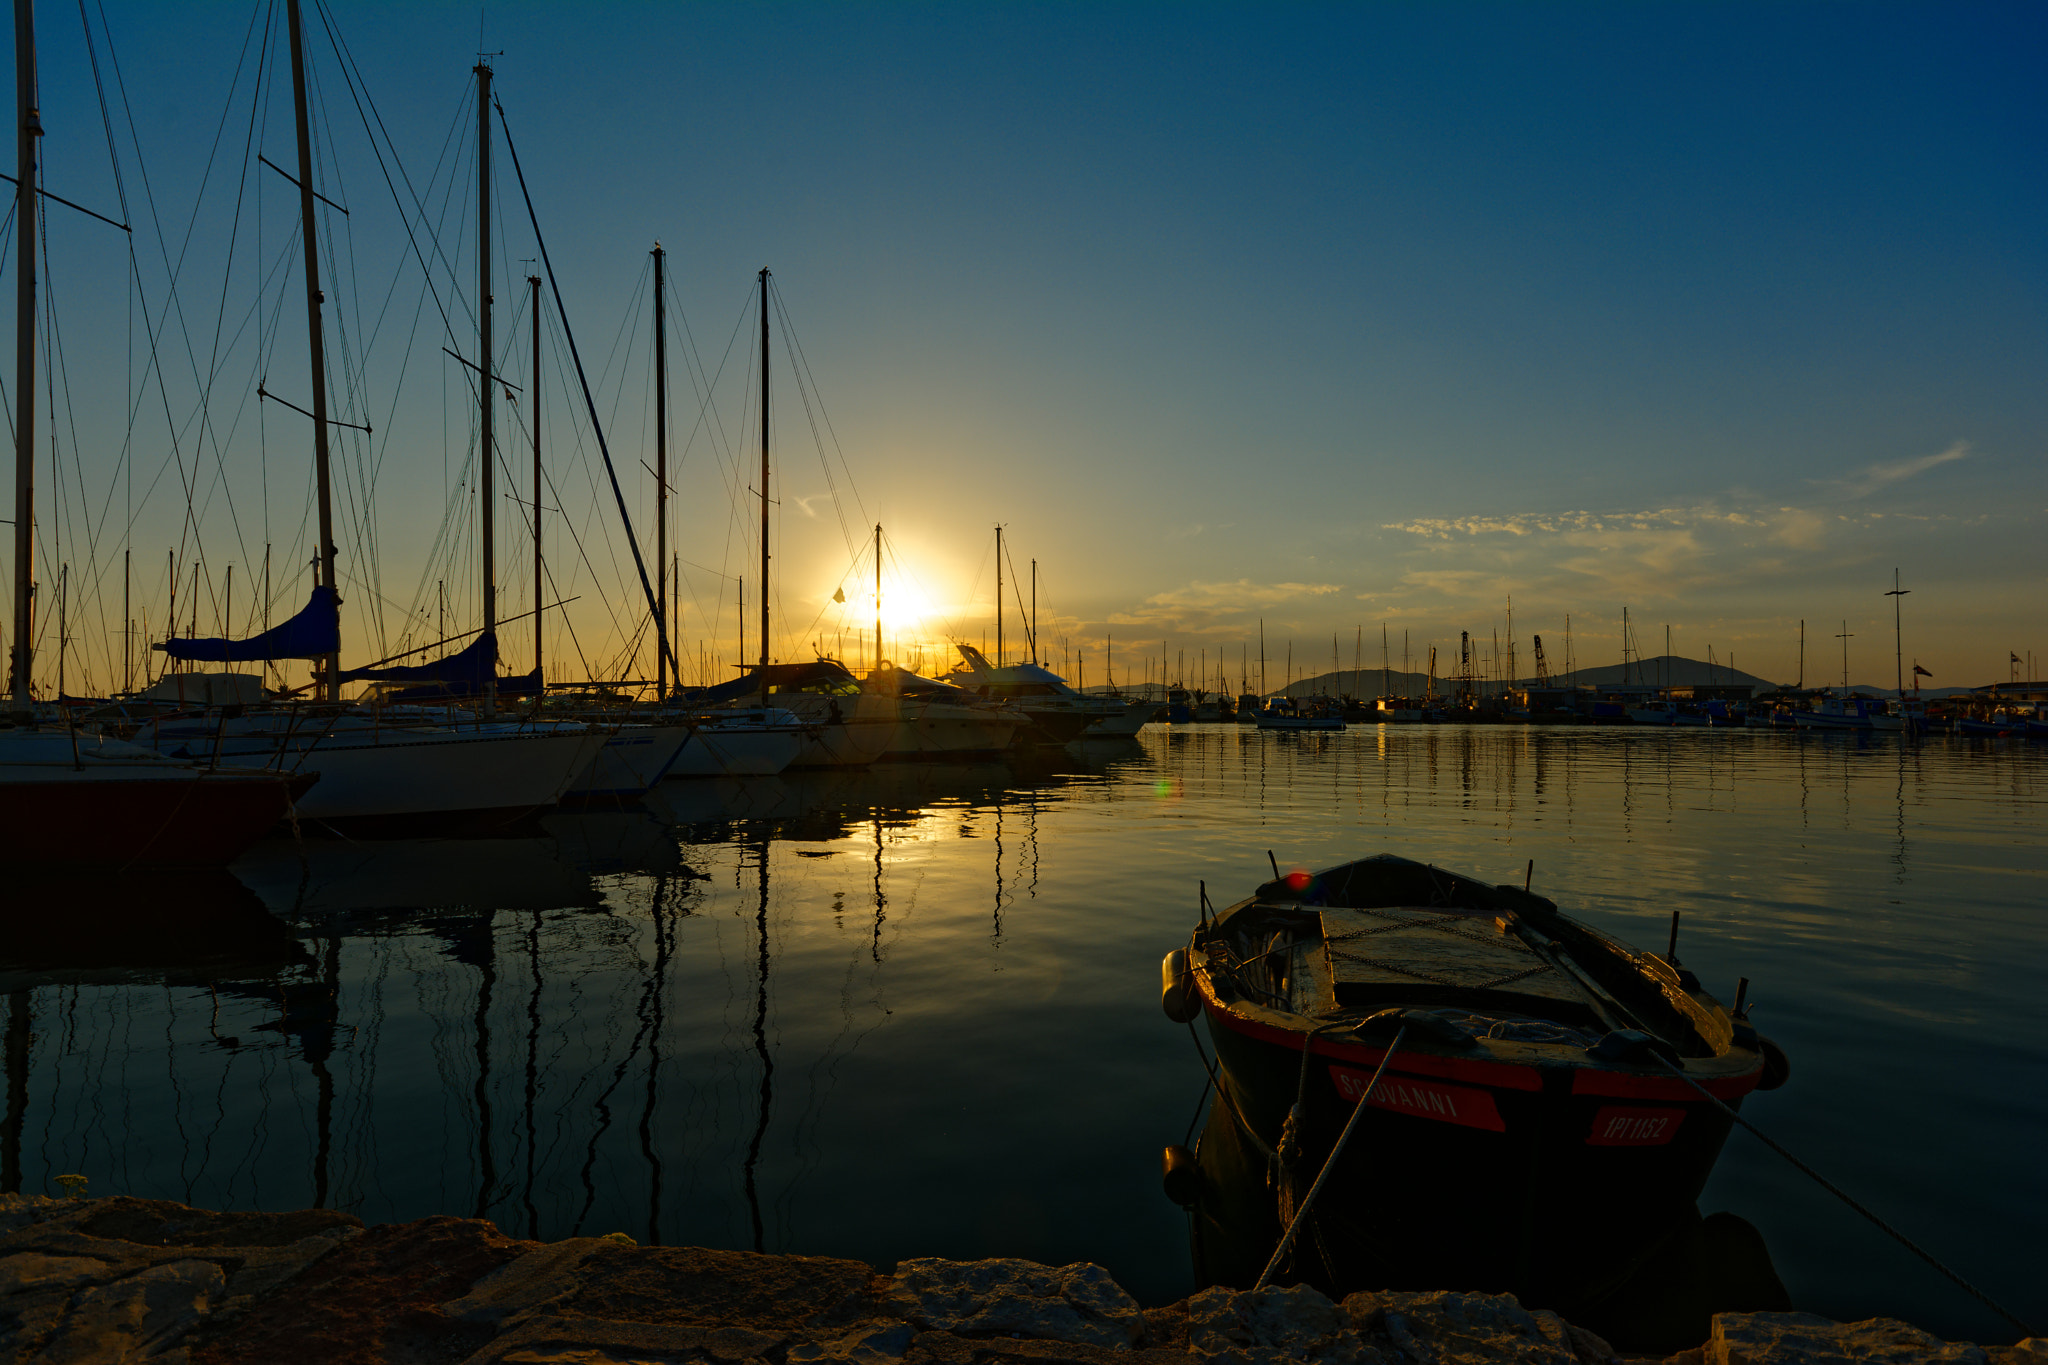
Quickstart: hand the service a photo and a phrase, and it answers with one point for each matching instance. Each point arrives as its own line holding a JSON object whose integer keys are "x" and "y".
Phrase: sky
{"x": 1341, "y": 319}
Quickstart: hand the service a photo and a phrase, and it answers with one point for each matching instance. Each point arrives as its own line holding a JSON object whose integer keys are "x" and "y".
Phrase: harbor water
{"x": 914, "y": 1011}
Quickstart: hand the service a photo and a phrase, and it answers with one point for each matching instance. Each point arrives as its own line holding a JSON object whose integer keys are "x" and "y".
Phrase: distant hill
{"x": 1666, "y": 670}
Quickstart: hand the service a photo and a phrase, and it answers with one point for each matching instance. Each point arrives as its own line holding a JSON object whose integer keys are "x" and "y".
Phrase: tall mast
{"x": 486, "y": 450}
{"x": 1898, "y": 640}
{"x": 539, "y": 677}
{"x": 316, "y": 352}
{"x": 999, "y": 596}
{"x": 878, "y": 596}
{"x": 660, "y": 477}
{"x": 764, "y": 485}
{"x": 28, "y": 128}
{"x": 1262, "y": 656}
{"x": 1034, "y": 611}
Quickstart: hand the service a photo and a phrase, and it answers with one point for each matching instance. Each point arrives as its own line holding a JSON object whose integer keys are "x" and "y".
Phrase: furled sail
{"x": 461, "y": 674}
{"x": 313, "y": 633}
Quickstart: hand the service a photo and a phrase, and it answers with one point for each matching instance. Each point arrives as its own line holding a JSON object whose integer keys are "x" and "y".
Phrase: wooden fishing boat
{"x": 1542, "y": 1125}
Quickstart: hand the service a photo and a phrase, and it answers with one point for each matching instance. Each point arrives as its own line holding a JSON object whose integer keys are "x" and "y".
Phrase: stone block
{"x": 1807, "y": 1339}
{"x": 1076, "y": 1303}
{"x": 1270, "y": 1326}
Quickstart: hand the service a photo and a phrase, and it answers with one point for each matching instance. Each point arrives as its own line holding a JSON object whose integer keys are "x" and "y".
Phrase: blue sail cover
{"x": 461, "y": 674}
{"x": 314, "y": 632}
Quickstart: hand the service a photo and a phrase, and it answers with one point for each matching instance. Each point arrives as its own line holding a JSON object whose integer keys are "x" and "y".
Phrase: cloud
{"x": 1200, "y": 606}
{"x": 1882, "y": 475}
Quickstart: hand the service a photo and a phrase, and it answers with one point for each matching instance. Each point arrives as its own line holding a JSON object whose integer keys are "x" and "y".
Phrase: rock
{"x": 28, "y": 1271}
{"x": 862, "y": 1346}
{"x": 708, "y": 1288}
{"x": 259, "y": 1270}
{"x": 1076, "y": 1303}
{"x": 546, "y": 1339}
{"x": 1806, "y": 1339}
{"x": 18, "y": 1211}
{"x": 1445, "y": 1327}
{"x": 372, "y": 1297}
{"x": 1267, "y": 1326}
{"x": 157, "y": 1222}
{"x": 539, "y": 1278}
{"x": 131, "y": 1318}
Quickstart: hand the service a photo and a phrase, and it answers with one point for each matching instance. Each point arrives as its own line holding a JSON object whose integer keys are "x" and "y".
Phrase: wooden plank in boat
{"x": 1423, "y": 953}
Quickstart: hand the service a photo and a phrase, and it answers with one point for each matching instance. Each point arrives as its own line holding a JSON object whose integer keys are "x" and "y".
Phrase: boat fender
{"x": 1777, "y": 1066}
{"x": 1631, "y": 1045}
{"x": 1177, "y": 993}
{"x": 1180, "y": 1176}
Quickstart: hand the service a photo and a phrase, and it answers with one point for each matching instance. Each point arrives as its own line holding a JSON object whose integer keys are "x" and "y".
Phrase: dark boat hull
{"x": 1553, "y": 1183}
{"x": 204, "y": 820}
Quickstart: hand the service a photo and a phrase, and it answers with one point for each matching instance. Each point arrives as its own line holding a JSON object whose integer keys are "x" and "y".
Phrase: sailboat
{"x": 80, "y": 798}
{"x": 379, "y": 776}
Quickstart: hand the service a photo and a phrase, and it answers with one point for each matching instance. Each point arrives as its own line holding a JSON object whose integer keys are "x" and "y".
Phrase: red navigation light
{"x": 1297, "y": 880}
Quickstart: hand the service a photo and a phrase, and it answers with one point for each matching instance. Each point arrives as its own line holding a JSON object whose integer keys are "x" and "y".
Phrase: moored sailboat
{"x": 78, "y": 798}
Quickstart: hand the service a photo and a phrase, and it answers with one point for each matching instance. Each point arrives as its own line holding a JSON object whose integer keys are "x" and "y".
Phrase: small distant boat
{"x": 1285, "y": 713}
{"x": 1845, "y": 713}
{"x": 1536, "y": 1129}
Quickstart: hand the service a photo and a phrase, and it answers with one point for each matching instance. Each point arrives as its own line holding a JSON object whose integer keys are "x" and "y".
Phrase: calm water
{"x": 914, "y": 1011}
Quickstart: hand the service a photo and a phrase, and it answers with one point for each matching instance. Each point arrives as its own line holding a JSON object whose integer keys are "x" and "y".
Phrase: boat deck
{"x": 1417, "y": 956}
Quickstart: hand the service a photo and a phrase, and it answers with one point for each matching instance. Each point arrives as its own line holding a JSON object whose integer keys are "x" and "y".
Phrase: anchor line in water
{"x": 658, "y": 988}
{"x": 1838, "y": 1192}
{"x": 753, "y": 1161}
{"x": 487, "y": 980}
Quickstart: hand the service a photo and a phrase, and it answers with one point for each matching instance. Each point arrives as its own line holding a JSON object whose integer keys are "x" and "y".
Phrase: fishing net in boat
{"x": 1516, "y": 1028}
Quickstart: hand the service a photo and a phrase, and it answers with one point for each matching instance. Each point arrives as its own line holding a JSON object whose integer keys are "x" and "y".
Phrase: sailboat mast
{"x": 1898, "y": 637}
{"x": 1034, "y": 611}
{"x": 878, "y": 597}
{"x": 999, "y": 596}
{"x": 660, "y": 477}
{"x": 539, "y": 676}
{"x": 764, "y": 485}
{"x": 316, "y": 352}
{"x": 28, "y": 128}
{"x": 486, "y": 448}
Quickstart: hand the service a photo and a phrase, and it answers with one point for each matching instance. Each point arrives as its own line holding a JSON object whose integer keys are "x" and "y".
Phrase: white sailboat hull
{"x": 940, "y": 730}
{"x": 715, "y": 752}
{"x": 630, "y": 762}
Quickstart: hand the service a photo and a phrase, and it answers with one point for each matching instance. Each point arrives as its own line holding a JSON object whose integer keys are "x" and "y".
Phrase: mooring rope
{"x": 1309, "y": 1199}
{"x": 1901, "y": 1238}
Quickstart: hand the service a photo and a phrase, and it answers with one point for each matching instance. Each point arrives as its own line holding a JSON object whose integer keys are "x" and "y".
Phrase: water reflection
{"x": 910, "y": 1011}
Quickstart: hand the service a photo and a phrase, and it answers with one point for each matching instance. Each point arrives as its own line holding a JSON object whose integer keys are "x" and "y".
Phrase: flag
{"x": 838, "y": 594}
{"x": 1920, "y": 672}
{"x": 2015, "y": 658}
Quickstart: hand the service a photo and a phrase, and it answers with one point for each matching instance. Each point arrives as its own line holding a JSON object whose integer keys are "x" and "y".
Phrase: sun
{"x": 904, "y": 607}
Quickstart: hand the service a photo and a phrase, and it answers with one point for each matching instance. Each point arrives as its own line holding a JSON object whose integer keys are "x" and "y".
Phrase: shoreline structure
{"x": 124, "y": 1279}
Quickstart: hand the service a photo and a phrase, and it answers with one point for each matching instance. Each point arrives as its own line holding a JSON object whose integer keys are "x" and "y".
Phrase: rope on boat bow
{"x": 1329, "y": 1163}
{"x": 1901, "y": 1238}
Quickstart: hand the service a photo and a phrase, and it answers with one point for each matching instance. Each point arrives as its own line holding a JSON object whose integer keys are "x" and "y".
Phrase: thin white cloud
{"x": 1882, "y": 475}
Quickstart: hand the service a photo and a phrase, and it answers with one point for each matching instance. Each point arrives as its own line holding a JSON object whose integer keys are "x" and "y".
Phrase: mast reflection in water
{"x": 913, "y": 1012}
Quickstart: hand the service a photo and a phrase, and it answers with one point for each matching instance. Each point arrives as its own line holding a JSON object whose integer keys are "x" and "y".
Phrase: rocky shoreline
{"x": 125, "y": 1279}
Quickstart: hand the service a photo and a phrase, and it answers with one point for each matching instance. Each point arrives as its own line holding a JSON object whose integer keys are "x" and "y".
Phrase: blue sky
{"x": 1330, "y": 315}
